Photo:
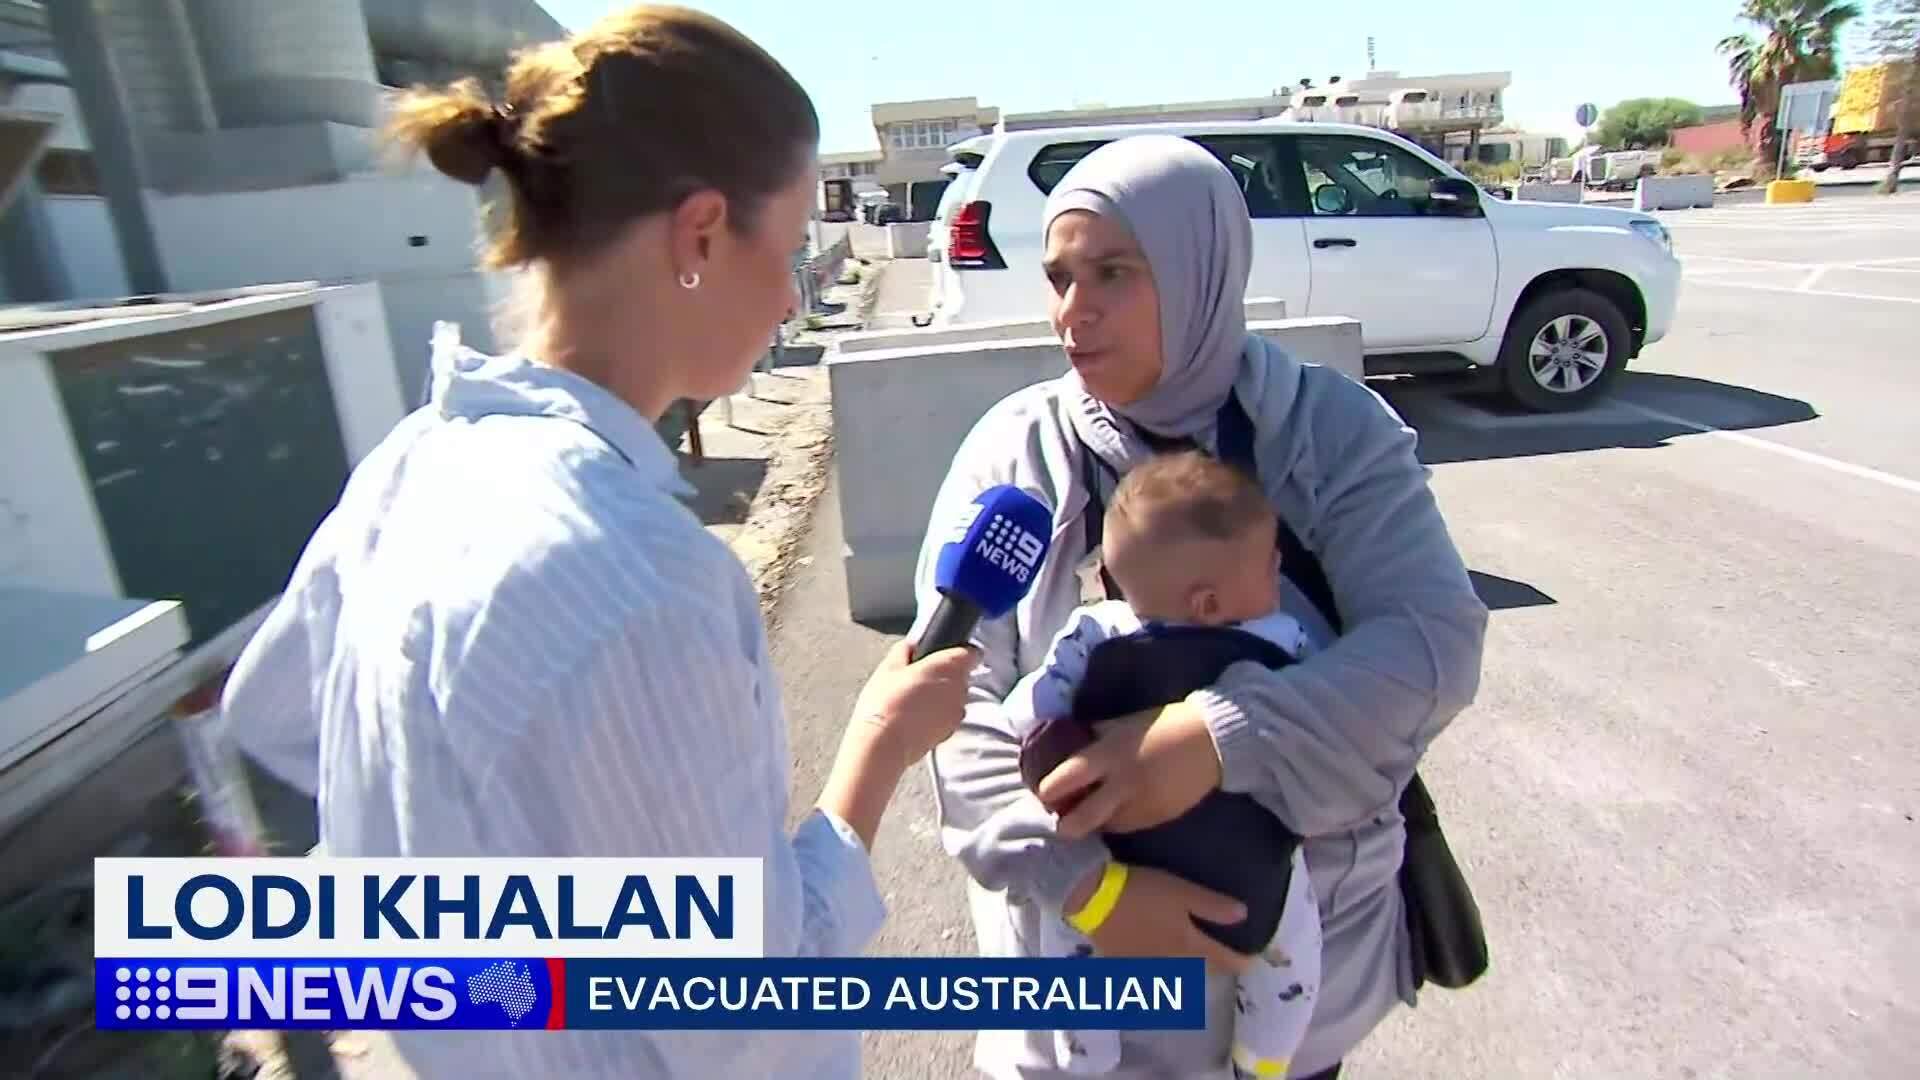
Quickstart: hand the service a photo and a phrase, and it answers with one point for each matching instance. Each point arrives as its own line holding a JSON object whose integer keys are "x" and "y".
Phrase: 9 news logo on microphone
{"x": 533, "y": 944}
{"x": 994, "y": 546}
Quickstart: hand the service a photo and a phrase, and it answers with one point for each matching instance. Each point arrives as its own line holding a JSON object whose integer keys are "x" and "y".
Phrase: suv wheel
{"x": 1563, "y": 349}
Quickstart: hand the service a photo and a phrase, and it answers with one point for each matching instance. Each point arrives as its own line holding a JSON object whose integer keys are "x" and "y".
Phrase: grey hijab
{"x": 1190, "y": 219}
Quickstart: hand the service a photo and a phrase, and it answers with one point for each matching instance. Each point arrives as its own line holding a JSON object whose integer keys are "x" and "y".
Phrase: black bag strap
{"x": 1233, "y": 429}
{"x": 1094, "y": 518}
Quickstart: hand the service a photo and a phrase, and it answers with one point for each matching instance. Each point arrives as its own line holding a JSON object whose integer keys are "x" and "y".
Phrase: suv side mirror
{"x": 1452, "y": 195}
{"x": 1331, "y": 199}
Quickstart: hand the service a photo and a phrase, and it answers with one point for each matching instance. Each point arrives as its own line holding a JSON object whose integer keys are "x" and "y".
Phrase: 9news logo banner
{"x": 531, "y": 944}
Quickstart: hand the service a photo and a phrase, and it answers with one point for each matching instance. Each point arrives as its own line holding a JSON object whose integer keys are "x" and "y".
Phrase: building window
{"x": 925, "y": 134}
{"x": 68, "y": 172}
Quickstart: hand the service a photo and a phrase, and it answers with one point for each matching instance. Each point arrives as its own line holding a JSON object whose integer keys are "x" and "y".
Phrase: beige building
{"x": 1500, "y": 146}
{"x": 1257, "y": 108}
{"x": 860, "y": 166}
{"x": 1446, "y": 113}
{"x": 913, "y": 137}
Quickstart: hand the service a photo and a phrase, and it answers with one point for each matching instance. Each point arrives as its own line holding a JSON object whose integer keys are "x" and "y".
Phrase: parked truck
{"x": 1615, "y": 170}
{"x": 1866, "y": 115}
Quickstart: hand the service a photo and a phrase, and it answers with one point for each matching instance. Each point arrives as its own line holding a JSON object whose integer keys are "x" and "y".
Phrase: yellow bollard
{"x": 1789, "y": 191}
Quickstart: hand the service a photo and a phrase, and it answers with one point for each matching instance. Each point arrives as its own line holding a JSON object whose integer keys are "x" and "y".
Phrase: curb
{"x": 772, "y": 533}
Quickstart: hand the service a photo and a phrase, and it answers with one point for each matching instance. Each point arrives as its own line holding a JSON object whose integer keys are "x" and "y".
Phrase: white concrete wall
{"x": 366, "y": 385}
{"x": 90, "y": 250}
{"x": 1673, "y": 192}
{"x": 355, "y": 229}
{"x": 907, "y": 240}
{"x": 472, "y": 299}
{"x": 900, "y": 414}
{"x": 1554, "y": 193}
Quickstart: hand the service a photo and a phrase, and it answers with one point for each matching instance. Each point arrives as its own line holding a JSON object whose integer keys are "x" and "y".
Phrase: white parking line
{"x": 1710, "y": 279}
{"x": 1773, "y": 264}
{"x": 1849, "y": 225}
{"x": 1863, "y": 472}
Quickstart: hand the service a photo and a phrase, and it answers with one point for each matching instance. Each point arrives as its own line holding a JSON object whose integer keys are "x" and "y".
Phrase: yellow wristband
{"x": 1106, "y": 896}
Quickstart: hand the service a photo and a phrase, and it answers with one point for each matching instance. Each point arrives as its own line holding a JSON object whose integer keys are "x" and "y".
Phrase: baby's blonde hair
{"x": 1189, "y": 496}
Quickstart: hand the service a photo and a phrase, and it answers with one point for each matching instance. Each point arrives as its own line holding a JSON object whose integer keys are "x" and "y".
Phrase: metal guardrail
{"x": 818, "y": 270}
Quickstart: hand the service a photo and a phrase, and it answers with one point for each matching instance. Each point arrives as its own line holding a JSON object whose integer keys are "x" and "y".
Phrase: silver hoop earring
{"x": 690, "y": 280}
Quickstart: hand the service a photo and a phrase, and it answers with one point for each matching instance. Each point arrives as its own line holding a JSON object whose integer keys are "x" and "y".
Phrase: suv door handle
{"x": 1335, "y": 241}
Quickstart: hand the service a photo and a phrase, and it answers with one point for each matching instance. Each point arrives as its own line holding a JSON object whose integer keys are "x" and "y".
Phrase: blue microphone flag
{"x": 994, "y": 548}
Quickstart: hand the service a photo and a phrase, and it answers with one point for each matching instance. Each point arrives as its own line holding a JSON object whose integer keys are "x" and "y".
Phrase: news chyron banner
{"x": 549, "y": 944}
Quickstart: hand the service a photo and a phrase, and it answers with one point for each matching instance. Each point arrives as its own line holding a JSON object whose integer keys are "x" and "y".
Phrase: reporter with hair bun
{"x": 509, "y": 638}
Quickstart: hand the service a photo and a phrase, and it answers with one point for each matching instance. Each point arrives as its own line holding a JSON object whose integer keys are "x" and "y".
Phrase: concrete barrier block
{"x": 908, "y": 240}
{"x": 1261, "y": 310}
{"x": 1554, "y": 193}
{"x": 1789, "y": 191}
{"x": 1673, "y": 192}
{"x": 1329, "y": 340}
{"x": 901, "y": 413}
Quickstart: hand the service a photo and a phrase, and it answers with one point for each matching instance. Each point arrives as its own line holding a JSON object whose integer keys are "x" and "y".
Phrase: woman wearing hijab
{"x": 1148, "y": 246}
{"x": 511, "y": 638}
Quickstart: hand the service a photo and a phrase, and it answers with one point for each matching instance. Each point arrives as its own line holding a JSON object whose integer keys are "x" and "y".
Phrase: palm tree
{"x": 1798, "y": 46}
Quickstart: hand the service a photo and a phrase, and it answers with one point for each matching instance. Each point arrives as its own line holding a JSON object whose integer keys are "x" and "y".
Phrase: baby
{"x": 1189, "y": 541}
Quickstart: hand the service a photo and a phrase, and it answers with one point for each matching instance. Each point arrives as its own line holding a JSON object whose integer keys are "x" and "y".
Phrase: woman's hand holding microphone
{"x": 913, "y": 702}
{"x": 906, "y": 709}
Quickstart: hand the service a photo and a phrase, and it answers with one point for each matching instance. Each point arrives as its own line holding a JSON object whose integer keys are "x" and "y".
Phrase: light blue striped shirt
{"x": 511, "y": 638}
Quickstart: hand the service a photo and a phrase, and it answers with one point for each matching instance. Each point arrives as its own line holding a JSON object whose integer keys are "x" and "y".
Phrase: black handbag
{"x": 1445, "y": 938}
{"x": 1447, "y": 942}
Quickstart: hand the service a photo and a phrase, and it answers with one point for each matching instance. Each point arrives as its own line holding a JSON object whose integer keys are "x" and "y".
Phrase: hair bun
{"x": 461, "y": 131}
{"x": 470, "y": 145}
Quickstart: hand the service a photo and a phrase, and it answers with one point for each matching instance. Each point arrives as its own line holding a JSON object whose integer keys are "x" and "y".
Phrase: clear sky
{"x": 1029, "y": 55}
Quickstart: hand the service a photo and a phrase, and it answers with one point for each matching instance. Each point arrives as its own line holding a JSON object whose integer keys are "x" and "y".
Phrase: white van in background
{"x": 1357, "y": 221}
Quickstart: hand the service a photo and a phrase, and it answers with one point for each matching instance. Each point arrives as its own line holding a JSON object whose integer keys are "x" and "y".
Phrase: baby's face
{"x": 1200, "y": 582}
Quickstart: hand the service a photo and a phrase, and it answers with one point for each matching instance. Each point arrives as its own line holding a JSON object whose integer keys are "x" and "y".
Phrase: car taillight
{"x": 968, "y": 240}
{"x": 968, "y": 245}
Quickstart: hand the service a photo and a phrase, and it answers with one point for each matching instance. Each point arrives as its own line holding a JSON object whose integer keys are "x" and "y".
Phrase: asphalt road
{"x": 1686, "y": 797}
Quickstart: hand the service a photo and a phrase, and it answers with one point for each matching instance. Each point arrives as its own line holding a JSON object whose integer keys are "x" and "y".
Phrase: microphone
{"x": 993, "y": 550}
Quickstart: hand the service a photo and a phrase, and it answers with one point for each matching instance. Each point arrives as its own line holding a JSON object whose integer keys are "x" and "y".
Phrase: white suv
{"x": 958, "y": 189}
{"x": 1358, "y": 221}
